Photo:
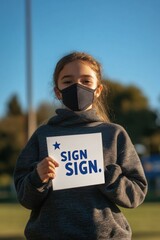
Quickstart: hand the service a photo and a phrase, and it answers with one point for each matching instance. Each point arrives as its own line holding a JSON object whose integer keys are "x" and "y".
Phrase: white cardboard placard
{"x": 80, "y": 159}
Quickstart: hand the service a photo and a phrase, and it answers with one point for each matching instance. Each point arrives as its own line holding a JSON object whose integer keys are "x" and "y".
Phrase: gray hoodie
{"x": 84, "y": 213}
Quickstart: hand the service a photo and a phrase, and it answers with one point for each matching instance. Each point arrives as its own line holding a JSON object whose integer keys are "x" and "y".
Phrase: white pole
{"x": 31, "y": 115}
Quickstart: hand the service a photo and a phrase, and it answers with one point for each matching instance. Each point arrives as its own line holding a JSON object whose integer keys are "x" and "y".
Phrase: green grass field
{"x": 144, "y": 221}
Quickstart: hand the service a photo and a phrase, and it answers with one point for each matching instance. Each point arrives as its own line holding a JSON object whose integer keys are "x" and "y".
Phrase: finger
{"x": 48, "y": 176}
{"x": 51, "y": 164}
{"x": 46, "y": 163}
{"x": 51, "y": 175}
{"x": 51, "y": 170}
{"x": 56, "y": 164}
{"x": 45, "y": 167}
{"x": 52, "y": 161}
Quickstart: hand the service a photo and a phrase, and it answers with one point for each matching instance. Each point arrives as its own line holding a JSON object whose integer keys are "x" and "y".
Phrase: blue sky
{"x": 124, "y": 35}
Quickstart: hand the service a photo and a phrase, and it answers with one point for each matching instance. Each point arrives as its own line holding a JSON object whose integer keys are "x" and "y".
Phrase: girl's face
{"x": 77, "y": 72}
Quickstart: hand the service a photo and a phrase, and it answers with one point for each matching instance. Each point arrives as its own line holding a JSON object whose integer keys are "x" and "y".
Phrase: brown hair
{"x": 96, "y": 67}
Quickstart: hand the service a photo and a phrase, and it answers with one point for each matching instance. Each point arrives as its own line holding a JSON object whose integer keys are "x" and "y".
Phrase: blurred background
{"x": 124, "y": 37}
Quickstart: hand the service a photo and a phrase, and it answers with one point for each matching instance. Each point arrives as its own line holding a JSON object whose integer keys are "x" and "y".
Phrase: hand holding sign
{"x": 46, "y": 169}
{"x": 80, "y": 159}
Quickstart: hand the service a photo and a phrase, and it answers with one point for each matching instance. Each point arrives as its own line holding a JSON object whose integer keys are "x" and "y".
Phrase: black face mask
{"x": 77, "y": 97}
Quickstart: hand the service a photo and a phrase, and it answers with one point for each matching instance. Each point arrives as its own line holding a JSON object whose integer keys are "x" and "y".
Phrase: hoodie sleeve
{"x": 30, "y": 190}
{"x": 125, "y": 181}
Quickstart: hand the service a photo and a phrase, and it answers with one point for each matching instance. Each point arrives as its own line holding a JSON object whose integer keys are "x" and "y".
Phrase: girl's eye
{"x": 67, "y": 81}
{"x": 87, "y": 82}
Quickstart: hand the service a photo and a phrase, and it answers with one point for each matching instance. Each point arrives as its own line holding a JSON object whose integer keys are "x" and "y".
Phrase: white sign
{"x": 80, "y": 159}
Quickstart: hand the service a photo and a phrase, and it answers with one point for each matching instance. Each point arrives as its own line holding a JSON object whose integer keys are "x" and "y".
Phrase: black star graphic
{"x": 56, "y": 145}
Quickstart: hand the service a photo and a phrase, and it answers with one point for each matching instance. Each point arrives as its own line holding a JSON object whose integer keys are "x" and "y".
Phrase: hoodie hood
{"x": 66, "y": 118}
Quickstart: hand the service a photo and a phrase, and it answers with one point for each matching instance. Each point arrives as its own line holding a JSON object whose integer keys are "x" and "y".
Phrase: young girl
{"x": 82, "y": 213}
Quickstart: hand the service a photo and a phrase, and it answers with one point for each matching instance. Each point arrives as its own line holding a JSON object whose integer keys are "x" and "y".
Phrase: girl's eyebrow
{"x": 86, "y": 75}
{"x": 66, "y": 76}
{"x": 70, "y": 76}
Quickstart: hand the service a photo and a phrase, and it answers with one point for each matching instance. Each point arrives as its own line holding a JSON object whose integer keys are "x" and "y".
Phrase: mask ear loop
{"x": 99, "y": 85}
{"x": 56, "y": 89}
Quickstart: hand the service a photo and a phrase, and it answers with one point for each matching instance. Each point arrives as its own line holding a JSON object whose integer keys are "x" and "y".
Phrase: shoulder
{"x": 115, "y": 133}
{"x": 44, "y": 128}
{"x": 40, "y": 132}
{"x": 113, "y": 127}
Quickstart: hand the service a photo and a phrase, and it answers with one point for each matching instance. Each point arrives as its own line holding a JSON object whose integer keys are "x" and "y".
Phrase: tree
{"x": 12, "y": 139}
{"x": 14, "y": 107}
{"x": 125, "y": 98}
{"x": 44, "y": 112}
{"x": 130, "y": 108}
{"x": 12, "y": 135}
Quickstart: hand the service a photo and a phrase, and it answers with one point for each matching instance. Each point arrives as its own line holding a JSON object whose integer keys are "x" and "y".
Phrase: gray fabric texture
{"x": 85, "y": 213}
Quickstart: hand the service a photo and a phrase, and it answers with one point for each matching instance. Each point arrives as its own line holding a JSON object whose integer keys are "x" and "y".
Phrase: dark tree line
{"x": 130, "y": 108}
